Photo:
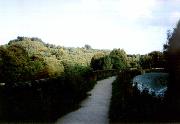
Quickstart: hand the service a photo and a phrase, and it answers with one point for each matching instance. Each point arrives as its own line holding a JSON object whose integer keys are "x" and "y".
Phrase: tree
{"x": 154, "y": 59}
{"x": 145, "y": 61}
{"x": 107, "y": 64}
{"x": 86, "y": 46}
{"x": 15, "y": 64}
{"x": 20, "y": 38}
{"x": 157, "y": 59}
{"x": 97, "y": 61}
{"x": 133, "y": 61}
{"x": 172, "y": 48}
{"x": 119, "y": 59}
{"x": 53, "y": 67}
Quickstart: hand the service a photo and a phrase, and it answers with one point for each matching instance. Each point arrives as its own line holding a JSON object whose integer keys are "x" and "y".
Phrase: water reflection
{"x": 153, "y": 82}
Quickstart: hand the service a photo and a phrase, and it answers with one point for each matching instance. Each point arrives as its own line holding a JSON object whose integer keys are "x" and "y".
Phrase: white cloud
{"x": 125, "y": 8}
{"x": 100, "y": 23}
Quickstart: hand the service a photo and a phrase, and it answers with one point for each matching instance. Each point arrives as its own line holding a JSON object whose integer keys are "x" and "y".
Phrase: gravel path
{"x": 94, "y": 110}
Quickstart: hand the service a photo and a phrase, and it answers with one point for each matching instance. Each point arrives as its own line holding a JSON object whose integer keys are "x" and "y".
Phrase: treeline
{"x": 26, "y": 58}
{"x": 40, "y": 81}
{"x": 154, "y": 59}
{"x": 118, "y": 59}
{"x": 29, "y": 58}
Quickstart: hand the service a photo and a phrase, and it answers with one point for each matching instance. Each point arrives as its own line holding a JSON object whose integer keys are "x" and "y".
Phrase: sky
{"x": 137, "y": 26}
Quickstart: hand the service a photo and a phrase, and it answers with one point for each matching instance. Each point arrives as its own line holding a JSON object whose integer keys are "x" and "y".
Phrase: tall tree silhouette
{"x": 172, "y": 48}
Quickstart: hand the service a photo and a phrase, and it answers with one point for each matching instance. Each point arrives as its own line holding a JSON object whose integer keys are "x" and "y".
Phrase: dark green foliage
{"x": 154, "y": 59}
{"x": 129, "y": 105}
{"x": 87, "y": 47}
{"x": 100, "y": 61}
{"x": 20, "y": 38}
{"x": 15, "y": 64}
{"x": 46, "y": 99}
{"x": 133, "y": 61}
{"x": 145, "y": 62}
{"x": 97, "y": 61}
{"x": 172, "y": 52}
{"x": 157, "y": 59}
{"x": 107, "y": 63}
{"x": 119, "y": 59}
{"x": 116, "y": 59}
{"x": 42, "y": 81}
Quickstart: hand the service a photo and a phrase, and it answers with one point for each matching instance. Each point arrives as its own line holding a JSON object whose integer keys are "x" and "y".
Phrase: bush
{"x": 45, "y": 99}
{"x": 129, "y": 105}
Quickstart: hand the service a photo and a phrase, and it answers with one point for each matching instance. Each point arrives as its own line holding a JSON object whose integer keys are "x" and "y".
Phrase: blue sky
{"x": 137, "y": 26}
